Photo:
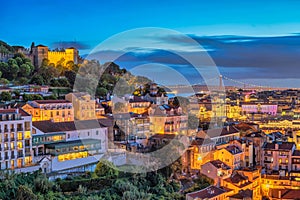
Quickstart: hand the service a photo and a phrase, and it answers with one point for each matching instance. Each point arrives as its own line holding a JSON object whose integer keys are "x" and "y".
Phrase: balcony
{"x": 20, "y": 129}
{"x": 6, "y": 148}
{"x": 12, "y": 156}
{"x": 5, "y": 139}
{"x": 12, "y": 139}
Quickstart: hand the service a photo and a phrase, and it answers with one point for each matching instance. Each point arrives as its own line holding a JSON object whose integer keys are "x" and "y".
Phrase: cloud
{"x": 68, "y": 44}
{"x": 237, "y": 57}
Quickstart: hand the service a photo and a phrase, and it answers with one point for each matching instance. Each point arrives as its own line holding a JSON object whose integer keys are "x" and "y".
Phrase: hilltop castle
{"x": 40, "y": 52}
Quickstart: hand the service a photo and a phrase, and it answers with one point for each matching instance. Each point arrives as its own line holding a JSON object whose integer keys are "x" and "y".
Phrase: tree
{"x": 71, "y": 76}
{"x": 106, "y": 169}
{"x": 5, "y": 96}
{"x": 4, "y": 69}
{"x": 4, "y": 81}
{"x": 37, "y": 79}
{"x": 100, "y": 91}
{"x": 48, "y": 73}
{"x": 25, "y": 193}
{"x": 13, "y": 71}
{"x": 25, "y": 70}
{"x": 23, "y": 81}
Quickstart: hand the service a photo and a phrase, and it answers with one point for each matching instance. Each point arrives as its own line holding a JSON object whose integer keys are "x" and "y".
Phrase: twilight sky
{"x": 256, "y": 41}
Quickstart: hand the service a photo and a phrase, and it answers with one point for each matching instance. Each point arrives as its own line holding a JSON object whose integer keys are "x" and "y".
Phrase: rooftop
{"x": 53, "y": 127}
{"x": 281, "y": 145}
{"x": 209, "y": 192}
{"x": 51, "y": 101}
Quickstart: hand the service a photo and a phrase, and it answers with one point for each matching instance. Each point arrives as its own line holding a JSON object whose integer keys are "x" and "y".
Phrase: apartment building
{"x": 54, "y": 110}
{"x": 15, "y": 139}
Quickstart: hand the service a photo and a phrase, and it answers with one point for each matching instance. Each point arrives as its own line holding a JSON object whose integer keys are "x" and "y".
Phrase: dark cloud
{"x": 236, "y": 56}
{"x": 68, "y": 44}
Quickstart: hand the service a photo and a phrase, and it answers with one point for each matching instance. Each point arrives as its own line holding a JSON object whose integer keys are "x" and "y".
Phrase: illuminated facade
{"x": 260, "y": 108}
{"x": 41, "y": 52}
{"x": 138, "y": 105}
{"x": 68, "y": 144}
{"x": 278, "y": 157}
{"x": 54, "y": 110}
{"x": 216, "y": 170}
{"x": 230, "y": 155}
{"x": 15, "y": 139}
{"x": 83, "y": 104}
{"x": 167, "y": 120}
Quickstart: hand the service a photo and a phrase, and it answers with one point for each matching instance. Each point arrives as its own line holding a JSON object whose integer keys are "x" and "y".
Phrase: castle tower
{"x": 72, "y": 55}
{"x": 39, "y": 53}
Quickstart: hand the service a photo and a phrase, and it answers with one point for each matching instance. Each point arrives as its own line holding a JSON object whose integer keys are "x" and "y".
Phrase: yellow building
{"x": 41, "y": 52}
{"x": 55, "y": 110}
{"x": 230, "y": 155}
{"x": 138, "y": 105}
{"x": 233, "y": 112}
{"x": 84, "y": 105}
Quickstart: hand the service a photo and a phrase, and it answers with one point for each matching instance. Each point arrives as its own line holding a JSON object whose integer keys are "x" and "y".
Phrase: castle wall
{"x": 64, "y": 57}
{"x": 5, "y": 56}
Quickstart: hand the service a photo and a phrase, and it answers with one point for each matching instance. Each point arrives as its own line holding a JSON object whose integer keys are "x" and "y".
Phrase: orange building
{"x": 54, "y": 110}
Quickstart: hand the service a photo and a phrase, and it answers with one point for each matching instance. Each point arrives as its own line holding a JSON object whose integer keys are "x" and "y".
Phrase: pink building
{"x": 260, "y": 108}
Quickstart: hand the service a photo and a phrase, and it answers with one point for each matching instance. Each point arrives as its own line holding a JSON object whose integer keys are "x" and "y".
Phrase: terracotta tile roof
{"x": 212, "y": 133}
{"x": 233, "y": 149}
{"x": 219, "y": 164}
{"x": 137, "y": 99}
{"x": 23, "y": 112}
{"x": 236, "y": 178}
{"x": 53, "y": 127}
{"x": 163, "y": 136}
{"x": 6, "y": 111}
{"x": 206, "y": 193}
{"x": 285, "y": 193}
{"x": 51, "y": 101}
{"x": 243, "y": 194}
{"x": 281, "y": 145}
{"x": 202, "y": 141}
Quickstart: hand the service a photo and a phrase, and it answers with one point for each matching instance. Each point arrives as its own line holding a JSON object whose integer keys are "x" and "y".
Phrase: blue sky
{"x": 273, "y": 24}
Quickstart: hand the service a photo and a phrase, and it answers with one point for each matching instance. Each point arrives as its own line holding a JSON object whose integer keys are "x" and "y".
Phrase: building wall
{"x": 84, "y": 106}
{"x": 39, "y": 53}
{"x": 16, "y": 145}
{"x": 64, "y": 57}
{"x": 57, "y": 112}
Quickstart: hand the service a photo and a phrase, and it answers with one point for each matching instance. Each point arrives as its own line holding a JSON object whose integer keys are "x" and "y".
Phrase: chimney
{"x": 279, "y": 194}
{"x": 276, "y": 146}
{"x": 227, "y": 127}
